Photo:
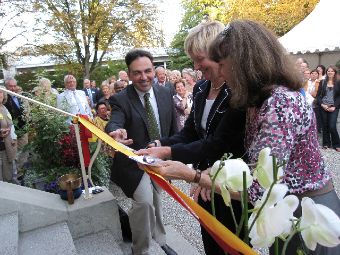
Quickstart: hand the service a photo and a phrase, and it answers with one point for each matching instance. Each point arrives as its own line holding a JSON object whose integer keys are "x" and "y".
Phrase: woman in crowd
{"x": 264, "y": 81}
{"x": 182, "y": 102}
{"x": 311, "y": 87}
{"x": 190, "y": 78}
{"x": 45, "y": 92}
{"x": 329, "y": 102}
{"x": 8, "y": 143}
{"x": 322, "y": 72}
{"x": 211, "y": 129}
{"x": 174, "y": 76}
{"x": 106, "y": 93}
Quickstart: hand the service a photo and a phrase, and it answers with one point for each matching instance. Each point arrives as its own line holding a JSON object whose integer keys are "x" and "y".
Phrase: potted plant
{"x": 54, "y": 152}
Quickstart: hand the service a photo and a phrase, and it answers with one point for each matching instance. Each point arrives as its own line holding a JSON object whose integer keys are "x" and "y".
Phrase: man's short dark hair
{"x": 132, "y": 55}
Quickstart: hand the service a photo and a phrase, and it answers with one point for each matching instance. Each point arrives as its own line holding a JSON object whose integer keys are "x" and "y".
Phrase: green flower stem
{"x": 213, "y": 186}
{"x": 261, "y": 208}
{"x": 240, "y": 225}
{"x": 245, "y": 208}
{"x": 233, "y": 215}
{"x": 213, "y": 198}
{"x": 287, "y": 242}
{"x": 295, "y": 230}
{"x": 276, "y": 246}
{"x": 275, "y": 169}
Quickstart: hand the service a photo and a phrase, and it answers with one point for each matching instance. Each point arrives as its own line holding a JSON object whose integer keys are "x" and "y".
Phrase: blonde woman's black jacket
{"x": 224, "y": 132}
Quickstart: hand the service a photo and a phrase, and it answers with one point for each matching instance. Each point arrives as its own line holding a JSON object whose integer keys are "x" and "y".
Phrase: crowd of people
{"x": 245, "y": 94}
{"x": 323, "y": 94}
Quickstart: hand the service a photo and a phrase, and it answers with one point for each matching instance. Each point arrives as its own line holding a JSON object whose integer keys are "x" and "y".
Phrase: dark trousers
{"x": 318, "y": 118}
{"x": 330, "y": 135}
{"x": 223, "y": 214}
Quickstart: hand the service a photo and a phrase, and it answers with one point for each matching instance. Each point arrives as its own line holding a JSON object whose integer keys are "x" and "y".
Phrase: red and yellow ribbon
{"x": 228, "y": 241}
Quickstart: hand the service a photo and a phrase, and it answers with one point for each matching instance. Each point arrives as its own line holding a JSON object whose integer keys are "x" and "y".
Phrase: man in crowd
{"x": 20, "y": 113}
{"x": 118, "y": 86}
{"x": 161, "y": 80}
{"x": 90, "y": 92}
{"x": 123, "y": 76}
{"x": 141, "y": 113}
{"x": 72, "y": 100}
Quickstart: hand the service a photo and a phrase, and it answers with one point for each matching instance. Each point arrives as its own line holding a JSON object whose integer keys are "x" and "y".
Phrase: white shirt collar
{"x": 141, "y": 94}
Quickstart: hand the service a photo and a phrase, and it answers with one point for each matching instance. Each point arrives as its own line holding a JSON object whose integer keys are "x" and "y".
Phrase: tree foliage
{"x": 87, "y": 31}
{"x": 278, "y": 15}
{"x": 12, "y": 27}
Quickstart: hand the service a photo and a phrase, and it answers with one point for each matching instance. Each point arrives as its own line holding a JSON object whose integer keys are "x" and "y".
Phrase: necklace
{"x": 217, "y": 88}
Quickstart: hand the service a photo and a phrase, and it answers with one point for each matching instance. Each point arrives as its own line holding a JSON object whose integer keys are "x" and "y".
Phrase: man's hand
{"x": 120, "y": 135}
{"x": 163, "y": 152}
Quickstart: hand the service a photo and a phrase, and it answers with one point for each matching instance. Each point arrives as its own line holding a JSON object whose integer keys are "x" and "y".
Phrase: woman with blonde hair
{"x": 190, "y": 78}
{"x": 211, "y": 129}
{"x": 46, "y": 86}
{"x": 265, "y": 82}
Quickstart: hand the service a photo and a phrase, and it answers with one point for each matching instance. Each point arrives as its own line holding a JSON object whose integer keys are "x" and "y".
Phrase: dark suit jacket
{"x": 129, "y": 113}
{"x": 15, "y": 111}
{"x": 94, "y": 94}
{"x": 169, "y": 86}
{"x": 224, "y": 133}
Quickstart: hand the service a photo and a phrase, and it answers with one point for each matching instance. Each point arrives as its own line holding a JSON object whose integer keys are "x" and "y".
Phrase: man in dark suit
{"x": 161, "y": 80}
{"x": 90, "y": 92}
{"x": 141, "y": 113}
{"x": 19, "y": 112}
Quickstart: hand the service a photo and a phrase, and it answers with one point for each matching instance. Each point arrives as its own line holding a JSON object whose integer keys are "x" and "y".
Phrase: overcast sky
{"x": 171, "y": 19}
{"x": 171, "y": 13}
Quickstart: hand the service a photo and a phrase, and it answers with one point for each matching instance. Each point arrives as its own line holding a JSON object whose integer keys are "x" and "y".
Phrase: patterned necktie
{"x": 89, "y": 92}
{"x": 152, "y": 122}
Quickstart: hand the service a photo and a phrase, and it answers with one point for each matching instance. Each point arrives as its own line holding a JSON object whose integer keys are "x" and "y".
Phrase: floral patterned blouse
{"x": 286, "y": 123}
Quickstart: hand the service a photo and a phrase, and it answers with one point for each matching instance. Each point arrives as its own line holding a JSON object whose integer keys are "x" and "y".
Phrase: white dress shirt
{"x": 67, "y": 102}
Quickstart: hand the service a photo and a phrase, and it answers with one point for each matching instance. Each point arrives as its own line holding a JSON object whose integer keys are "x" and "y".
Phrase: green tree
{"x": 10, "y": 20}
{"x": 195, "y": 12}
{"x": 86, "y": 31}
{"x": 272, "y": 13}
{"x": 278, "y": 15}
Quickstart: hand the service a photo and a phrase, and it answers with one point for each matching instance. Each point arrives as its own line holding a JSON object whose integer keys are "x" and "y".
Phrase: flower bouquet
{"x": 273, "y": 215}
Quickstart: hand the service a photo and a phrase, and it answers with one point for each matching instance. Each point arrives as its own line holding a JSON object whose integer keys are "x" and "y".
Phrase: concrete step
{"x": 51, "y": 240}
{"x": 101, "y": 243}
{"x": 154, "y": 249}
{"x": 178, "y": 243}
{"x": 9, "y": 234}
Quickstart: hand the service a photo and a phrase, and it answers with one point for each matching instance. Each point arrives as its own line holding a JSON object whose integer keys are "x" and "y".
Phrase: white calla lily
{"x": 231, "y": 174}
{"x": 319, "y": 224}
{"x": 276, "y": 217}
{"x": 264, "y": 169}
{"x": 225, "y": 195}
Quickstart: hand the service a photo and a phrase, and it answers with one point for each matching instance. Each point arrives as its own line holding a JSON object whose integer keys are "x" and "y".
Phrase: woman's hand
{"x": 195, "y": 191}
{"x": 162, "y": 152}
{"x": 331, "y": 109}
{"x": 4, "y": 132}
{"x": 175, "y": 170}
